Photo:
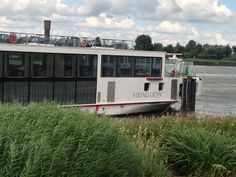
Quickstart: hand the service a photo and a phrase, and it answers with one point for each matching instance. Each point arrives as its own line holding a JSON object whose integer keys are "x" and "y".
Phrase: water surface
{"x": 218, "y": 89}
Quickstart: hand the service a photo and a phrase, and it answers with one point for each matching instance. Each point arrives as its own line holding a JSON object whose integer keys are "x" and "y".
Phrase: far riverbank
{"x": 211, "y": 62}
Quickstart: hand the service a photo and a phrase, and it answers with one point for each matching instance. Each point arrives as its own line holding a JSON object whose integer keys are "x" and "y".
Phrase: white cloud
{"x": 204, "y": 11}
{"x": 105, "y": 22}
{"x": 191, "y": 10}
{"x": 4, "y": 21}
{"x": 175, "y": 28}
{"x": 166, "y": 21}
{"x": 214, "y": 38}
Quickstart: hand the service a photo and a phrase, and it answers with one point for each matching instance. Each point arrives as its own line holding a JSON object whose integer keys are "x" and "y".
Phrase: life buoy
{"x": 84, "y": 43}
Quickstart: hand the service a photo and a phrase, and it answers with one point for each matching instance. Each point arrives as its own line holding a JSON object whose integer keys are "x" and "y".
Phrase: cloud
{"x": 94, "y": 7}
{"x": 166, "y": 21}
{"x": 204, "y": 11}
{"x": 191, "y": 10}
{"x": 4, "y": 21}
{"x": 107, "y": 22}
{"x": 175, "y": 28}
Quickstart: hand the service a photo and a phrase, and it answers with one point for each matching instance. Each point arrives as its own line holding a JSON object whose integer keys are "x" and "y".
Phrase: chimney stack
{"x": 47, "y": 27}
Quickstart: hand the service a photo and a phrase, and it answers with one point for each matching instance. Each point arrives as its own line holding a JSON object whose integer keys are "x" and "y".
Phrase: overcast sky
{"x": 166, "y": 21}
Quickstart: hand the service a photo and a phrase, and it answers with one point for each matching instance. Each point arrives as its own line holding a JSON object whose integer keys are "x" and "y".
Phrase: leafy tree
{"x": 158, "y": 46}
{"x": 179, "y": 48}
{"x": 169, "y": 48}
{"x": 191, "y": 45}
{"x": 143, "y": 42}
{"x": 193, "y": 48}
{"x": 234, "y": 49}
{"x": 228, "y": 51}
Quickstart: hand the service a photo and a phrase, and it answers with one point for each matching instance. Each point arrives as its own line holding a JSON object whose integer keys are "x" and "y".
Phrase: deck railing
{"x": 66, "y": 41}
{"x": 178, "y": 68}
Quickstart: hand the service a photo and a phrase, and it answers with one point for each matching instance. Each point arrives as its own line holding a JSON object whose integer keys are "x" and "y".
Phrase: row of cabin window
{"x": 18, "y": 64}
{"x": 130, "y": 66}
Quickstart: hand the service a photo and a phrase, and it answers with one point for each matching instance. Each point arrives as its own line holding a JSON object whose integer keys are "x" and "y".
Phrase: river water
{"x": 218, "y": 90}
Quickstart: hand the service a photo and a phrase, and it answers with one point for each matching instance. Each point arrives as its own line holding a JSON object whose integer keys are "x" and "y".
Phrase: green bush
{"x": 200, "y": 152}
{"x": 44, "y": 140}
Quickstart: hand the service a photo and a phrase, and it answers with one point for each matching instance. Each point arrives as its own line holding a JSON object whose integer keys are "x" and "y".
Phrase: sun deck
{"x": 65, "y": 41}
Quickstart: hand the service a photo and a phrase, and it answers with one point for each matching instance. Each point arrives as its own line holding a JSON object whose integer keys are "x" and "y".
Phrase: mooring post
{"x": 188, "y": 95}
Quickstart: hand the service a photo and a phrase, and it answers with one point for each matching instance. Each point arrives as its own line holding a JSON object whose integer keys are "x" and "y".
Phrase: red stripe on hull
{"x": 123, "y": 104}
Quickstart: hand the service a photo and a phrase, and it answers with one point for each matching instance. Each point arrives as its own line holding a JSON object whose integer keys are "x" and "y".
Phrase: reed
{"x": 45, "y": 140}
{"x": 189, "y": 145}
{"x": 200, "y": 152}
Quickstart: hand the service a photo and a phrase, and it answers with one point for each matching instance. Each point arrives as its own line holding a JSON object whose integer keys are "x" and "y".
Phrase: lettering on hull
{"x": 146, "y": 94}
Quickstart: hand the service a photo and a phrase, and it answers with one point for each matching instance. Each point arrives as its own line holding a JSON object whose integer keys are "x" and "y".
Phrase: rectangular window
{"x": 69, "y": 65}
{"x": 161, "y": 86}
{"x": 146, "y": 86}
{"x": 16, "y": 64}
{"x": 124, "y": 66}
{"x": 65, "y": 65}
{"x": 38, "y": 65}
{"x": 156, "y": 67}
{"x": 1, "y": 64}
{"x": 87, "y": 66}
{"x": 131, "y": 66}
{"x": 108, "y": 66}
{"x": 142, "y": 67}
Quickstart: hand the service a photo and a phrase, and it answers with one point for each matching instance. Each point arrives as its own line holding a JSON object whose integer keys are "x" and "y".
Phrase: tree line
{"x": 192, "y": 49}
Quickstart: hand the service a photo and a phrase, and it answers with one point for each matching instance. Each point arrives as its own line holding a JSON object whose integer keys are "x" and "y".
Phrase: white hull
{"x": 127, "y": 108}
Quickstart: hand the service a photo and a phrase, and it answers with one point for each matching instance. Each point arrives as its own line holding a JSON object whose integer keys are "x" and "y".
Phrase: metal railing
{"x": 65, "y": 41}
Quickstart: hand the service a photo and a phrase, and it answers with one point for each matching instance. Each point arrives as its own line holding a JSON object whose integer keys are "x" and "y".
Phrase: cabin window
{"x": 146, "y": 86}
{"x": 124, "y": 66}
{"x": 142, "y": 67}
{"x": 156, "y": 67}
{"x": 65, "y": 65}
{"x": 108, "y": 66}
{"x": 16, "y": 64}
{"x": 87, "y": 66}
{"x": 1, "y": 64}
{"x": 69, "y": 65}
{"x": 39, "y": 65}
{"x": 161, "y": 86}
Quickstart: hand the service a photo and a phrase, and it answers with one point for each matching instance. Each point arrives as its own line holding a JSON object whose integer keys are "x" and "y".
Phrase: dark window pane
{"x": 65, "y": 65}
{"x": 108, "y": 66}
{"x": 68, "y": 65}
{"x": 142, "y": 67}
{"x": 16, "y": 65}
{"x": 59, "y": 65}
{"x": 1, "y": 64}
{"x": 39, "y": 65}
{"x": 87, "y": 66}
{"x": 156, "y": 67}
{"x": 124, "y": 66}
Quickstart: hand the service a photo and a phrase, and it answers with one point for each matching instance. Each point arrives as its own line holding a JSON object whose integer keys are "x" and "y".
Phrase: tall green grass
{"x": 201, "y": 152}
{"x": 187, "y": 146}
{"x": 44, "y": 140}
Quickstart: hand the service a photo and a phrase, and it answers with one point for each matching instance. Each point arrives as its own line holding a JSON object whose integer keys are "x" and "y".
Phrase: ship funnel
{"x": 47, "y": 27}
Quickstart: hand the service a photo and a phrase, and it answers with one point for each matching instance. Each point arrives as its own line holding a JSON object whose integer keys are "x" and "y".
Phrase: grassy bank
{"x": 211, "y": 62}
{"x": 187, "y": 146}
{"x": 45, "y": 140}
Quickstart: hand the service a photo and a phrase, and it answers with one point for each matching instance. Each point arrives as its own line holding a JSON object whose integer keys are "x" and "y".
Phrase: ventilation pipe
{"x": 47, "y": 27}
